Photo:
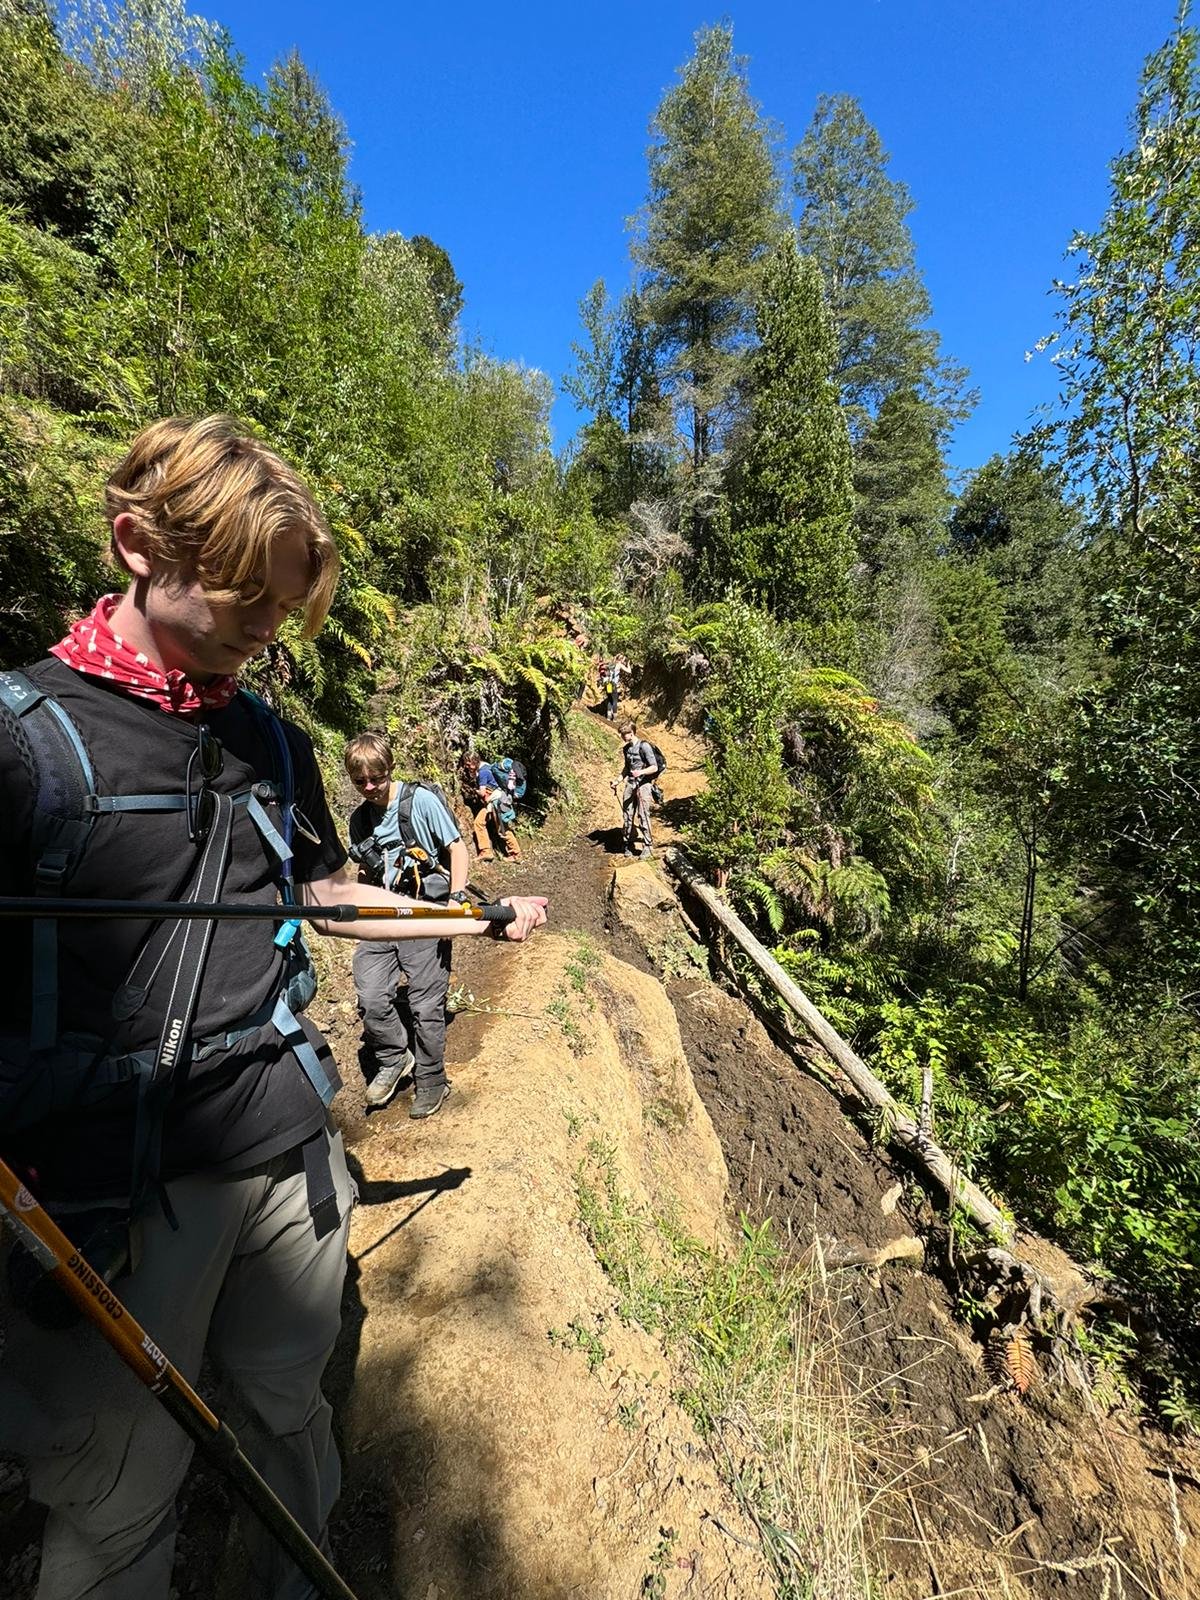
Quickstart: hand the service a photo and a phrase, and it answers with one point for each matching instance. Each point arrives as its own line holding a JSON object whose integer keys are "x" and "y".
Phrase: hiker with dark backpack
{"x": 637, "y": 785}
{"x": 160, "y": 1090}
{"x": 404, "y": 837}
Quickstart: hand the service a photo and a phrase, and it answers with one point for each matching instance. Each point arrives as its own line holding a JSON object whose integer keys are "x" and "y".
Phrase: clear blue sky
{"x": 515, "y": 136}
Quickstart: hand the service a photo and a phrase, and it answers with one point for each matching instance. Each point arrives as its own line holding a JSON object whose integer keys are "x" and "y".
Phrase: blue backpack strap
{"x": 61, "y": 773}
{"x": 284, "y": 1018}
{"x": 285, "y": 776}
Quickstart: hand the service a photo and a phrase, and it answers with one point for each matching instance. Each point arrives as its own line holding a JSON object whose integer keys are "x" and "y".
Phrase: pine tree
{"x": 901, "y": 398}
{"x": 853, "y": 220}
{"x": 792, "y": 496}
{"x": 901, "y": 489}
{"x": 711, "y": 217}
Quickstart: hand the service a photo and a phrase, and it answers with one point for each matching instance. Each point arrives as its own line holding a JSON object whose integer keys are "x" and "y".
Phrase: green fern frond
{"x": 348, "y": 641}
{"x": 768, "y": 898}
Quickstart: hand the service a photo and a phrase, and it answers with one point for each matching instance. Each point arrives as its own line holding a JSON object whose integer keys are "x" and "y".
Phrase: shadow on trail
{"x": 678, "y": 813}
{"x": 372, "y": 1192}
{"x": 610, "y": 840}
{"x": 398, "y": 1458}
{"x": 381, "y": 1193}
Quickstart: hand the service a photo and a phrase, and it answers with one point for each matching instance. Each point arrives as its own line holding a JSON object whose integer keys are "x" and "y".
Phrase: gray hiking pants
{"x": 244, "y": 1278}
{"x": 378, "y": 968}
{"x": 635, "y": 809}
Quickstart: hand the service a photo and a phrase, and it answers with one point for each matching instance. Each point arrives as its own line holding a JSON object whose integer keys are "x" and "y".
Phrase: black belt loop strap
{"x": 174, "y": 1044}
{"x": 318, "y": 1178}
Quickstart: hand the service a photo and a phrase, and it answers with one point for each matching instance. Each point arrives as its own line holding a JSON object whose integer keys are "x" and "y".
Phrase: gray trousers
{"x": 245, "y": 1279}
{"x": 378, "y": 969}
{"x": 635, "y": 808}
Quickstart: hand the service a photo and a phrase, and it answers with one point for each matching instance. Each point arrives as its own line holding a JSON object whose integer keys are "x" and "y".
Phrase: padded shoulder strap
{"x": 404, "y": 805}
{"x": 285, "y": 777}
{"x": 61, "y": 776}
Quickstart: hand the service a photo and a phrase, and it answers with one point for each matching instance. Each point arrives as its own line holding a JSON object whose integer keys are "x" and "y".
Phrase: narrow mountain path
{"x": 990, "y": 1496}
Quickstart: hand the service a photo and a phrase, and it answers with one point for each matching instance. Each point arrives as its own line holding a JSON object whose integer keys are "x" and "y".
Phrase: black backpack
{"x": 656, "y": 753}
{"x": 56, "y": 1074}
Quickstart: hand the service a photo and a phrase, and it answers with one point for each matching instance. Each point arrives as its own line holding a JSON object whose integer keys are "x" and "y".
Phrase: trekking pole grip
{"x": 498, "y": 914}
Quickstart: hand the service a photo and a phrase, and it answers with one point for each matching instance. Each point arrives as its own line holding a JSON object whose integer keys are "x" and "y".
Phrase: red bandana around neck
{"x": 93, "y": 648}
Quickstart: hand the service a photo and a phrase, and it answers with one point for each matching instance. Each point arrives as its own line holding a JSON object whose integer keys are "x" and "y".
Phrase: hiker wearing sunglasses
{"x": 404, "y": 836}
{"x": 160, "y": 1088}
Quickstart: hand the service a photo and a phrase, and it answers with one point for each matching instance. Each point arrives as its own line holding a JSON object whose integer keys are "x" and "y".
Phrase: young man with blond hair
{"x": 404, "y": 837}
{"x": 158, "y": 1089}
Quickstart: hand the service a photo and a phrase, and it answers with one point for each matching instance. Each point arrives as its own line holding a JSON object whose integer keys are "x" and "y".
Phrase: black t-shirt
{"x": 237, "y": 1106}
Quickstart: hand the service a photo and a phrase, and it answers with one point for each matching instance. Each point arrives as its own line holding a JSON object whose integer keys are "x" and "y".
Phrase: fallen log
{"x": 899, "y": 1127}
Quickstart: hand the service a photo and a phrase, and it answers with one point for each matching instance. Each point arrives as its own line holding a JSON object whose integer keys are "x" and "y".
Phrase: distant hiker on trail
{"x": 404, "y": 837}
{"x": 611, "y": 673}
{"x": 158, "y": 1090}
{"x": 639, "y": 773}
{"x": 491, "y": 790}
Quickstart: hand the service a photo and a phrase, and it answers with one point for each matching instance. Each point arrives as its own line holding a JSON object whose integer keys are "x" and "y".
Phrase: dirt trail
{"x": 483, "y": 1457}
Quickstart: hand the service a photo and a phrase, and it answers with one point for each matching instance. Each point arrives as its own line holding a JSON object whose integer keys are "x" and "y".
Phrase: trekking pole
{"x": 53, "y": 1251}
{"x": 216, "y": 911}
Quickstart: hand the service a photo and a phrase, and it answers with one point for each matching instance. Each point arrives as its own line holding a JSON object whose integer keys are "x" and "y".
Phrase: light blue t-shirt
{"x": 433, "y": 828}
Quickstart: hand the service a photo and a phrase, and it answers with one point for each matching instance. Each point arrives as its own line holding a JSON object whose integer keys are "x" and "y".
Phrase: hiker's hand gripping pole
{"x": 216, "y": 911}
{"x": 50, "y": 1247}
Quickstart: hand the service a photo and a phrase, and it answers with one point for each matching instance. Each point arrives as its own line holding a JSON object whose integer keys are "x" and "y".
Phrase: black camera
{"x": 368, "y": 856}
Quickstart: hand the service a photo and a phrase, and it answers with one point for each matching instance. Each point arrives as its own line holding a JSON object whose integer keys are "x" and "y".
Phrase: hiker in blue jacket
{"x": 491, "y": 790}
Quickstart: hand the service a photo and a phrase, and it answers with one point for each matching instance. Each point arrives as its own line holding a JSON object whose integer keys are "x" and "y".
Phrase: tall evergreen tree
{"x": 902, "y": 494}
{"x": 853, "y": 218}
{"x": 711, "y": 217}
{"x": 792, "y": 497}
{"x": 900, "y": 397}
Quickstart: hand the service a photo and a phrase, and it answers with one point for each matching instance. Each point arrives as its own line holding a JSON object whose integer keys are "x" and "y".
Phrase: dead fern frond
{"x": 1011, "y": 1360}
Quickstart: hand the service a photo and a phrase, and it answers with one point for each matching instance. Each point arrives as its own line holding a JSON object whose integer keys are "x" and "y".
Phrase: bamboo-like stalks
{"x": 900, "y": 1128}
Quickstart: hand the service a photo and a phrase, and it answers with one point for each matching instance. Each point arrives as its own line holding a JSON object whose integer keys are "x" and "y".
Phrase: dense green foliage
{"x": 176, "y": 239}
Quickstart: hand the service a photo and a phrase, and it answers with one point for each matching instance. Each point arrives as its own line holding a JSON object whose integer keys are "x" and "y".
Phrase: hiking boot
{"x": 628, "y": 854}
{"x": 386, "y": 1081}
{"x": 429, "y": 1098}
